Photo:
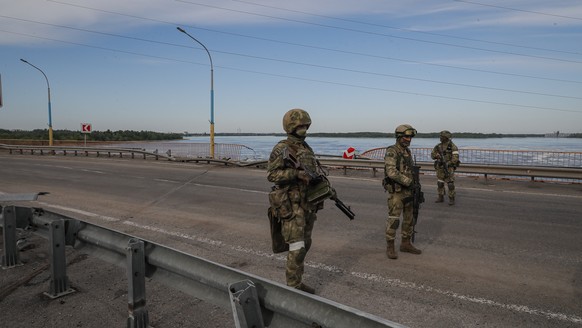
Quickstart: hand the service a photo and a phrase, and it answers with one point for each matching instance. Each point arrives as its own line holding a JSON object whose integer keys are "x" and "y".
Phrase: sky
{"x": 488, "y": 66}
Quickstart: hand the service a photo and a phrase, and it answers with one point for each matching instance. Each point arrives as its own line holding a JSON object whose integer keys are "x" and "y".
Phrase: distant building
{"x": 557, "y": 134}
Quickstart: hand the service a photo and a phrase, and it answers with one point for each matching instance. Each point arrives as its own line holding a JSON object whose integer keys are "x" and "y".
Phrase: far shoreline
{"x": 431, "y": 135}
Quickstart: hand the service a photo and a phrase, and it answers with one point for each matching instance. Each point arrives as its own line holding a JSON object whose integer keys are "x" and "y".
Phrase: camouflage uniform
{"x": 450, "y": 154}
{"x": 398, "y": 180}
{"x": 293, "y": 184}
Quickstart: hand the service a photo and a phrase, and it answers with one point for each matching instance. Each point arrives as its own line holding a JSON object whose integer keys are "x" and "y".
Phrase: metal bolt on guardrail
{"x": 245, "y": 304}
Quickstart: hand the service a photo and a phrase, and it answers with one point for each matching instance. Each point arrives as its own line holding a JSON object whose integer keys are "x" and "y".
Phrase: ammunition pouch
{"x": 390, "y": 185}
{"x": 281, "y": 207}
{"x": 319, "y": 191}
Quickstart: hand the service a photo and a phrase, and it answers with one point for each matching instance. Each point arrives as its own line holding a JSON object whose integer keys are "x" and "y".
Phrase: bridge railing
{"x": 85, "y": 151}
{"x": 532, "y": 172}
{"x": 255, "y": 301}
{"x": 185, "y": 151}
{"x": 562, "y": 166}
{"x": 495, "y": 157}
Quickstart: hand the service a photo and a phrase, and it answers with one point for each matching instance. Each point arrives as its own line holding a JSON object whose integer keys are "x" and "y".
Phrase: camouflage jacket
{"x": 282, "y": 174}
{"x": 398, "y": 165}
{"x": 450, "y": 152}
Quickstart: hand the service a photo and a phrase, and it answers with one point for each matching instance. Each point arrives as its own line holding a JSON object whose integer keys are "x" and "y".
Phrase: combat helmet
{"x": 446, "y": 134}
{"x": 404, "y": 130}
{"x": 294, "y": 118}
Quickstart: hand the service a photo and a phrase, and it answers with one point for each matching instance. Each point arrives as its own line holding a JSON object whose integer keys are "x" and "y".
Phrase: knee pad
{"x": 451, "y": 186}
{"x": 298, "y": 245}
{"x": 440, "y": 185}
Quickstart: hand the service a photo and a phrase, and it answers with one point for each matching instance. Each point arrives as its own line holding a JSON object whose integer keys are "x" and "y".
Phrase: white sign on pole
{"x": 85, "y": 128}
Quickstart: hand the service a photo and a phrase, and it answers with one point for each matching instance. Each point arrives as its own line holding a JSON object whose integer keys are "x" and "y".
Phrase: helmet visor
{"x": 409, "y": 133}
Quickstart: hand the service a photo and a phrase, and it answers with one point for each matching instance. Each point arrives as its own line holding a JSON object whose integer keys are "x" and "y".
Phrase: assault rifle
{"x": 320, "y": 184}
{"x": 417, "y": 196}
{"x": 443, "y": 162}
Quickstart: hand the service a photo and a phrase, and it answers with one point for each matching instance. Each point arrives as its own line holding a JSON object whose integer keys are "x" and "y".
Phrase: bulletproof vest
{"x": 404, "y": 161}
{"x": 304, "y": 154}
{"x": 448, "y": 152}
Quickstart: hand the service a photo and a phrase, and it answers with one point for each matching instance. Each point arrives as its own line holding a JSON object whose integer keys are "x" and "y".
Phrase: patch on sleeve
{"x": 276, "y": 153}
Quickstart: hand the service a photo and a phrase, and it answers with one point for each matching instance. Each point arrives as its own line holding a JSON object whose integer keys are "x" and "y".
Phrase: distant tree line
{"x": 127, "y": 135}
{"x": 108, "y": 135}
{"x": 391, "y": 135}
{"x": 424, "y": 135}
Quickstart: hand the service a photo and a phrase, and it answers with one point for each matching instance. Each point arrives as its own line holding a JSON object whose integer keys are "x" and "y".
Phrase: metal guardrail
{"x": 495, "y": 156}
{"x": 255, "y": 301}
{"x": 193, "y": 150}
{"x": 531, "y": 171}
{"x": 76, "y": 151}
{"x": 484, "y": 169}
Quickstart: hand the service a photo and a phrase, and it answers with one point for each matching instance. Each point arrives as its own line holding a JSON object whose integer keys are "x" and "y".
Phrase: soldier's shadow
{"x": 345, "y": 250}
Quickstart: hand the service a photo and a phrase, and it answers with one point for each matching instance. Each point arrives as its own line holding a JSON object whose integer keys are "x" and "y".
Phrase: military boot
{"x": 451, "y": 200}
{"x": 440, "y": 199}
{"x": 305, "y": 288}
{"x": 390, "y": 252}
{"x": 406, "y": 246}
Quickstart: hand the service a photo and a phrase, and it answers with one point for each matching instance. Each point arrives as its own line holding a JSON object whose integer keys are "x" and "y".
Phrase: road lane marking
{"x": 74, "y": 210}
{"x": 230, "y": 188}
{"x": 478, "y": 300}
{"x": 70, "y": 168}
{"x": 394, "y": 282}
{"x": 474, "y": 189}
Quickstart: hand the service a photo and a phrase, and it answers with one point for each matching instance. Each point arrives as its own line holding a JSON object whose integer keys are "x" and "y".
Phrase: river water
{"x": 262, "y": 145}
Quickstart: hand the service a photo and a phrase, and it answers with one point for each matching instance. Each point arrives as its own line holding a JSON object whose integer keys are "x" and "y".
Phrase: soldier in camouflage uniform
{"x": 445, "y": 166}
{"x": 398, "y": 181}
{"x": 289, "y": 194}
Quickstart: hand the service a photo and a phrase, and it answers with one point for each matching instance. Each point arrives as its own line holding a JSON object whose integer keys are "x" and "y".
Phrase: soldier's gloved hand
{"x": 301, "y": 175}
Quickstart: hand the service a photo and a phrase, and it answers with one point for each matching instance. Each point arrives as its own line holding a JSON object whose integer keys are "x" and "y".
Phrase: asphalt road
{"x": 508, "y": 254}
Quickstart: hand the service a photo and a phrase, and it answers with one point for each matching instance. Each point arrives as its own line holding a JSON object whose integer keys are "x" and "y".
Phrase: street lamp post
{"x": 211, "y": 92}
{"x": 50, "y": 122}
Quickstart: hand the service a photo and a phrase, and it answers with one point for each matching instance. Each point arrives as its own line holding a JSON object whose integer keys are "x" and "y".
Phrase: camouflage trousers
{"x": 396, "y": 207}
{"x": 297, "y": 233}
{"x": 449, "y": 181}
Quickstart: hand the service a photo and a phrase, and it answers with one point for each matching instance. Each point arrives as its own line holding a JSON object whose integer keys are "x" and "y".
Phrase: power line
{"x": 412, "y": 93}
{"x": 318, "y": 47}
{"x": 409, "y": 30}
{"x": 381, "y": 34}
{"x": 103, "y": 48}
{"x": 300, "y": 63}
{"x": 307, "y": 79}
{"x": 521, "y": 10}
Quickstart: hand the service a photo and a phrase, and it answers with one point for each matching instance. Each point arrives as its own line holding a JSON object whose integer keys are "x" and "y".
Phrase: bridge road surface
{"x": 508, "y": 254}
